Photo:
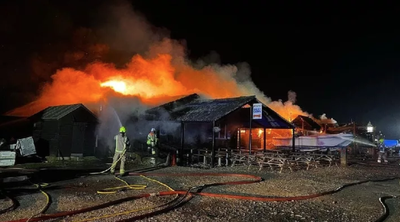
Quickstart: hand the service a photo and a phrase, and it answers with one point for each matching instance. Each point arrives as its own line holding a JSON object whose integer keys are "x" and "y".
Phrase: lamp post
{"x": 370, "y": 128}
{"x": 370, "y": 131}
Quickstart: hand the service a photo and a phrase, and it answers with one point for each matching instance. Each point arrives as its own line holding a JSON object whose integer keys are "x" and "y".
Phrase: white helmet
{"x": 153, "y": 130}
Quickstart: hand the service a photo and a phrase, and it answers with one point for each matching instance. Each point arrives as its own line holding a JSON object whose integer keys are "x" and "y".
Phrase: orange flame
{"x": 153, "y": 80}
{"x": 118, "y": 86}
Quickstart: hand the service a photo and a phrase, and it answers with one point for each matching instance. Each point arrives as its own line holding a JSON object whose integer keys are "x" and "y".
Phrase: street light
{"x": 370, "y": 128}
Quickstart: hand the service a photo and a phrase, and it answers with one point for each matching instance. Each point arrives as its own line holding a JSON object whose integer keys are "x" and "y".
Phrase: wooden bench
{"x": 205, "y": 154}
{"x": 240, "y": 158}
{"x": 302, "y": 158}
{"x": 274, "y": 160}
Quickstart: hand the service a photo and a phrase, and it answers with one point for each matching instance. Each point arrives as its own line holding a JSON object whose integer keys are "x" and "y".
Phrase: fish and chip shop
{"x": 209, "y": 127}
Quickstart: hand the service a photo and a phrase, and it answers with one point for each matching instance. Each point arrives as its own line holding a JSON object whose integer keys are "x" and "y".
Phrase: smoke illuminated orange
{"x": 153, "y": 80}
{"x": 163, "y": 75}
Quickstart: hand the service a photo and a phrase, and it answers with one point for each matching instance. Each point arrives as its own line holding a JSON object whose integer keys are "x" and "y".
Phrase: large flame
{"x": 118, "y": 86}
{"x": 160, "y": 73}
{"x": 153, "y": 80}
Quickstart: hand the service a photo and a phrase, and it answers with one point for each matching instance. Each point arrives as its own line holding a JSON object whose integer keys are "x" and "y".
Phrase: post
{"x": 182, "y": 143}
{"x": 251, "y": 119}
{"x": 265, "y": 140}
{"x": 213, "y": 146}
{"x": 238, "y": 140}
{"x": 293, "y": 141}
{"x": 343, "y": 156}
{"x": 226, "y": 133}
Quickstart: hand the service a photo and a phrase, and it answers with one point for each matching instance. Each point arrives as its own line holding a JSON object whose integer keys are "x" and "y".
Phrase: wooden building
{"x": 220, "y": 123}
{"x": 65, "y": 131}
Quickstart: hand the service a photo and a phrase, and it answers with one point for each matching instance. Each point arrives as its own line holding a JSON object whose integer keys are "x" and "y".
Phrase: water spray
{"x": 354, "y": 140}
{"x": 116, "y": 116}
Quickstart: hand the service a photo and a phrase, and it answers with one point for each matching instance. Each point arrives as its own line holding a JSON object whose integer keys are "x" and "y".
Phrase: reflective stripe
{"x": 120, "y": 143}
{"x": 151, "y": 139}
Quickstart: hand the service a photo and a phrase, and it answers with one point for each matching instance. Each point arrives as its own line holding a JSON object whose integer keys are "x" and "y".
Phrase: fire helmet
{"x": 153, "y": 130}
{"x": 122, "y": 129}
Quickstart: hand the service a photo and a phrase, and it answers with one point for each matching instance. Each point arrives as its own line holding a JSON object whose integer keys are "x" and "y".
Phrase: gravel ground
{"x": 357, "y": 203}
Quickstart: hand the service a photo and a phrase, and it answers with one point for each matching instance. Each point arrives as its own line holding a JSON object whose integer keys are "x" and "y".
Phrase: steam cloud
{"x": 159, "y": 71}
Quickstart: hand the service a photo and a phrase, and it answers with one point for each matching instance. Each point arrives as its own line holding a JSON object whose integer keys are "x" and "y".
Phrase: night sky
{"x": 340, "y": 59}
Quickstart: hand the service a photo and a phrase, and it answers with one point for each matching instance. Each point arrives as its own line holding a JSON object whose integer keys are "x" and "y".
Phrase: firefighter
{"x": 121, "y": 144}
{"x": 382, "y": 151}
{"x": 152, "y": 141}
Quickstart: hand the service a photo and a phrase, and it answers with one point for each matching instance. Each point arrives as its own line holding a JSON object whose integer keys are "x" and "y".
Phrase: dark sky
{"x": 340, "y": 59}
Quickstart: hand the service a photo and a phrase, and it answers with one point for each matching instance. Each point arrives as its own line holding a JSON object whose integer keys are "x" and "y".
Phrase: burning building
{"x": 230, "y": 119}
{"x": 306, "y": 126}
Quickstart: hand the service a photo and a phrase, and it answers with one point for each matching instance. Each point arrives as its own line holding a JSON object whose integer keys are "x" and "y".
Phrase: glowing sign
{"x": 257, "y": 111}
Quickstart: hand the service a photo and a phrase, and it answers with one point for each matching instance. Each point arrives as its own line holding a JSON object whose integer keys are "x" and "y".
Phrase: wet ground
{"x": 73, "y": 188}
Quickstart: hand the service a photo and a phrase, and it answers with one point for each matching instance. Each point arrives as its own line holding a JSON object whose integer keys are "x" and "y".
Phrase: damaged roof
{"x": 310, "y": 124}
{"x": 175, "y": 104}
{"x": 193, "y": 108}
{"x": 208, "y": 110}
{"x": 58, "y": 112}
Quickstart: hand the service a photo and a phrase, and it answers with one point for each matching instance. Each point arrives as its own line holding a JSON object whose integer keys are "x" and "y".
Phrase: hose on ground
{"x": 385, "y": 213}
{"x": 137, "y": 210}
{"x": 13, "y": 203}
{"x": 112, "y": 190}
{"x": 112, "y": 165}
{"x": 254, "y": 179}
{"x": 186, "y": 198}
{"x": 48, "y": 200}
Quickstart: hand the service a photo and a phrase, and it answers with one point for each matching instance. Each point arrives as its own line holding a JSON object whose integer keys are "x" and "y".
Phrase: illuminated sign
{"x": 257, "y": 111}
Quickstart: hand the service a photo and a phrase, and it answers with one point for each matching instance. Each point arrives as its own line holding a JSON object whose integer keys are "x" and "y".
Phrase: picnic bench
{"x": 222, "y": 155}
{"x": 274, "y": 159}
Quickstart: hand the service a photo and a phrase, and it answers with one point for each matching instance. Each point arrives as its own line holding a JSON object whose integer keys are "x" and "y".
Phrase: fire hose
{"x": 187, "y": 195}
{"x": 113, "y": 165}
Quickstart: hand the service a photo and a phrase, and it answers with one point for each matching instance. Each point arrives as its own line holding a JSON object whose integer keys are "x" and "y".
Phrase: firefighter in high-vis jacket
{"x": 152, "y": 142}
{"x": 121, "y": 144}
{"x": 382, "y": 151}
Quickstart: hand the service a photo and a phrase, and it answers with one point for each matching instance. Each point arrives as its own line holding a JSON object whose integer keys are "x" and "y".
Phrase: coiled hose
{"x": 188, "y": 194}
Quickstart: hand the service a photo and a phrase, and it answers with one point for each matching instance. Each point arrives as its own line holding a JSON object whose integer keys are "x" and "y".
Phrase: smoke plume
{"x": 325, "y": 120}
{"x": 158, "y": 71}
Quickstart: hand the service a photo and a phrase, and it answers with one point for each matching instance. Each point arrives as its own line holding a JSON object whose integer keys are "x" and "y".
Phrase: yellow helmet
{"x": 122, "y": 129}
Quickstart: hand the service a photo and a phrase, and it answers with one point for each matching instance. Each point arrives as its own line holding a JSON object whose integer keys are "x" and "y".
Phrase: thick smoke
{"x": 325, "y": 120}
{"x": 288, "y": 109}
{"x": 158, "y": 71}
